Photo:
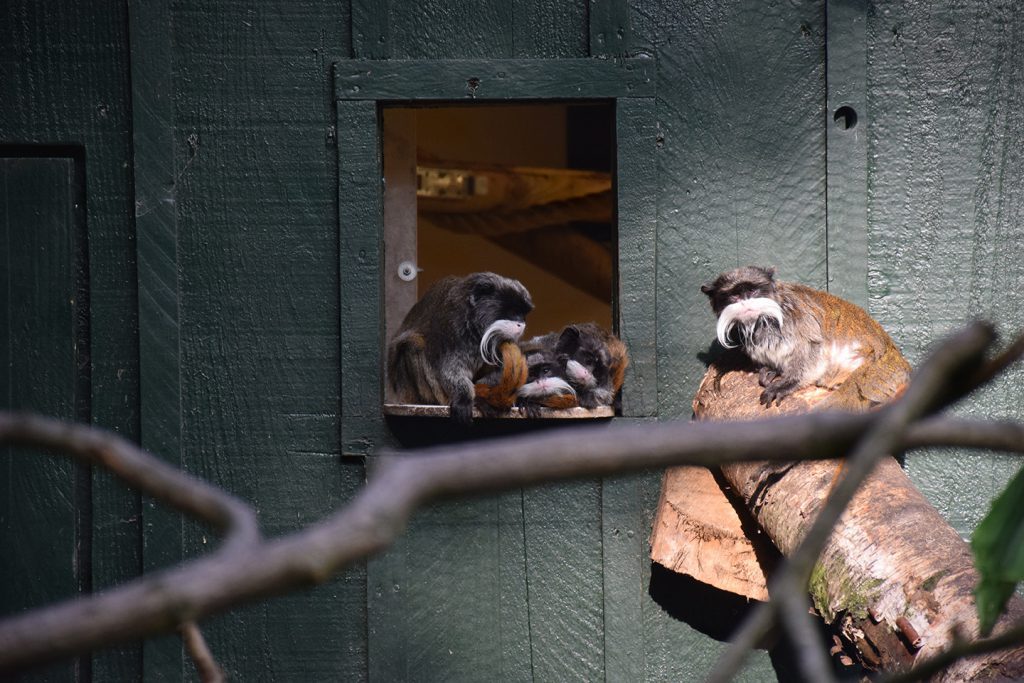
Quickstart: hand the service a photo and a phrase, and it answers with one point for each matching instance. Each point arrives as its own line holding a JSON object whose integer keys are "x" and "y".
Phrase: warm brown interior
{"x": 524, "y": 190}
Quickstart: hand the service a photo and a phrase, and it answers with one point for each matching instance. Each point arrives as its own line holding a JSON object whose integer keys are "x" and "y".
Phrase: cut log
{"x": 894, "y": 576}
{"x": 698, "y": 532}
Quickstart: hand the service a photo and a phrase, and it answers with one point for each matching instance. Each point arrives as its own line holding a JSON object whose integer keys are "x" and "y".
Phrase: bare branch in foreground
{"x": 240, "y": 571}
{"x": 197, "y": 649}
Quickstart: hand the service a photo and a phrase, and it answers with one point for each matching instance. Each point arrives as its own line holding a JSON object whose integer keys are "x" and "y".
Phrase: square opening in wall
{"x": 522, "y": 190}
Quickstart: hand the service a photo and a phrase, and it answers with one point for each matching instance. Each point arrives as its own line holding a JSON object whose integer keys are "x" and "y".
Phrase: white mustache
{"x": 497, "y": 332}
{"x": 546, "y": 386}
{"x": 745, "y": 312}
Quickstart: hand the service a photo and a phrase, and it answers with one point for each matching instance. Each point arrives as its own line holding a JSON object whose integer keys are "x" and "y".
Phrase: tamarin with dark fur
{"x": 582, "y": 365}
{"x": 802, "y": 337}
{"x": 450, "y": 334}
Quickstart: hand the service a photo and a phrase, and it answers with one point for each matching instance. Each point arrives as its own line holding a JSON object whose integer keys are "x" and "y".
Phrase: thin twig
{"x": 195, "y": 645}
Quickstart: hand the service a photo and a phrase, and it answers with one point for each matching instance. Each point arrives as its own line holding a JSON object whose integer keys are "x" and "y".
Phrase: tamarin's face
{"x": 498, "y": 308}
{"x": 744, "y": 298}
{"x": 493, "y": 297}
{"x": 584, "y": 357}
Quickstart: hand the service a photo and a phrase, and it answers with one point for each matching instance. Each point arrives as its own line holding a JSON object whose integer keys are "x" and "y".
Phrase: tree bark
{"x": 895, "y": 576}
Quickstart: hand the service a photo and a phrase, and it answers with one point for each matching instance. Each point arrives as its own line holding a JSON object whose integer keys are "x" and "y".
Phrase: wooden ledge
{"x": 419, "y": 410}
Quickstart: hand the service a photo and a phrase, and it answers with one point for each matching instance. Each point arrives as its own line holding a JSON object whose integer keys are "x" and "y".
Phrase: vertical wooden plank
{"x": 513, "y": 632}
{"x": 359, "y": 215}
{"x": 636, "y": 303}
{"x": 550, "y": 28}
{"x": 259, "y": 316}
{"x": 847, "y": 150}
{"x": 624, "y": 551}
{"x": 449, "y": 600}
{"x": 741, "y": 164}
{"x": 371, "y": 29}
{"x": 564, "y": 581}
{"x": 160, "y": 412}
{"x": 38, "y": 526}
{"x": 610, "y": 34}
{"x": 400, "y": 255}
{"x": 437, "y": 29}
{"x": 946, "y": 214}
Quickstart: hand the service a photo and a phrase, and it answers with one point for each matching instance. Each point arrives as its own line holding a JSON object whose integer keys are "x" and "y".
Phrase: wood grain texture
{"x": 698, "y": 532}
{"x": 636, "y": 302}
{"x": 360, "y": 212}
{"x": 549, "y": 28}
{"x": 741, "y": 163}
{"x": 493, "y": 79}
{"x": 847, "y": 145}
{"x": 564, "y": 576}
{"x": 159, "y": 324}
{"x": 945, "y": 206}
{"x": 61, "y": 88}
{"x": 446, "y": 29}
{"x": 891, "y": 555}
{"x": 258, "y": 259}
{"x": 38, "y": 508}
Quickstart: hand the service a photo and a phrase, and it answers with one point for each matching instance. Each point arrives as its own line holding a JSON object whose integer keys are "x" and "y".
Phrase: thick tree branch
{"x": 932, "y": 386}
{"x": 137, "y": 468}
{"x": 246, "y": 568}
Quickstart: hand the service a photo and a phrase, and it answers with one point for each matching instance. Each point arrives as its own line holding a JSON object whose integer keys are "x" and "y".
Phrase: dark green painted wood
{"x": 549, "y": 28}
{"x": 445, "y": 29}
{"x": 741, "y": 164}
{"x": 847, "y": 148}
{"x": 360, "y": 212}
{"x": 624, "y": 533}
{"x": 38, "y": 529}
{"x": 565, "y": 581}
{"x": 449, "y": 600}
{"x": 66, "y": 82}
{"x": 636, "y": 211}
{"x": 371, "y": 29}
{"x": 945, "y": 206}
{"x": 256, "y": 198}
{"x": 160, "y": 413}
{"x": 487, "y": 79}
{"x": 610, "y": 32}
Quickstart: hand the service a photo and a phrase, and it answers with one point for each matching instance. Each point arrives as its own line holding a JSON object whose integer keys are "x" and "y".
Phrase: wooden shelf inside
{"x": 419, "y": 410}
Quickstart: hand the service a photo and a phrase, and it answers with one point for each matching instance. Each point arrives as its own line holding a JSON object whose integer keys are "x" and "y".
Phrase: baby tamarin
{"x": 582, "y": 365}
{"x": 801, "y": 337}
{"x": 448, "y": 336}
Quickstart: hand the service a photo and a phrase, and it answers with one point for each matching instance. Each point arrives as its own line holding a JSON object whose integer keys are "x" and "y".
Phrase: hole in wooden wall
{"x": 522, "y": 189}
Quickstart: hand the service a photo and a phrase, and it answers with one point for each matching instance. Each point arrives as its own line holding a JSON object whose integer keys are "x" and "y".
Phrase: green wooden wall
{"x": 203, "y": 137}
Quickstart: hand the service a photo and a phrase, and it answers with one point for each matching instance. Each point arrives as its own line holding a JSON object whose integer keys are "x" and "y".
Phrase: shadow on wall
{"x": 717, "y": 614}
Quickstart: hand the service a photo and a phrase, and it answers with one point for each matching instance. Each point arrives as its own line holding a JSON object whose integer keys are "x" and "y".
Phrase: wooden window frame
{"x": 363, "y": 87}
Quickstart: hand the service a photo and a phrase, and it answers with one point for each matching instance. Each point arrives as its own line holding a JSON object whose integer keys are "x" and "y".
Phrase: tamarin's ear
{"x": 483, "y": 288}
{"x": 770, "y": 272}
{"x": 708, "y": 288}
{"x": 568, "y": 340}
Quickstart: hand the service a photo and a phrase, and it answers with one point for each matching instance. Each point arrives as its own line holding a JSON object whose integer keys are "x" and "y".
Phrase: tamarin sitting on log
{"x": 448, "y": 336}
{"x": 582, "y": 365}
{"x": 803, "y": 337}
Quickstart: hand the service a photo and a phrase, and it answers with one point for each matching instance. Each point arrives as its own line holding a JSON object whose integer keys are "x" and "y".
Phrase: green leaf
{"x": 998, "y": 545}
